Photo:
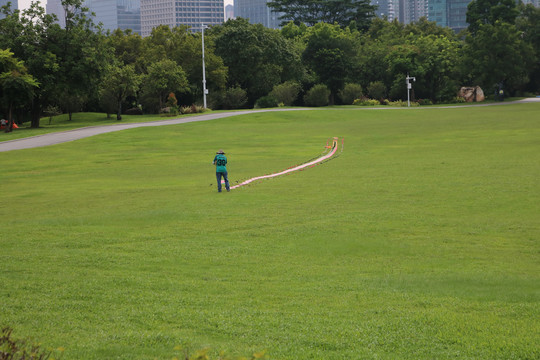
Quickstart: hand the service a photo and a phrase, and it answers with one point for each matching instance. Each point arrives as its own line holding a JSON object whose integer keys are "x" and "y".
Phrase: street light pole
{"x": 409, "y": 87}
{"x": 203, "y": 68}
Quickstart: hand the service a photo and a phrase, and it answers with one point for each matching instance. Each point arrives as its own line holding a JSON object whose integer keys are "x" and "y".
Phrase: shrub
{"x": 52, "y": 111}
{"x": 11, "y": 348}
{"x": 425, "y": 102}
{"x": 377, "y": 90}
{"x": 235, "y": 98}
{"x": 197, "y": 108}
{"x": 267, "y": 101}
{"x": 458, "y": 100}
{"x": 215, "y": 99}
{"x": 318, "y": 95}
{"x": 171, "y": 100}
{"x": 286, "y": 93}
{"x": 366, "y": 102}
{"x": 401, "y": 103}
{"x": 350, "y": 93}
{"x": 134, "y": 111}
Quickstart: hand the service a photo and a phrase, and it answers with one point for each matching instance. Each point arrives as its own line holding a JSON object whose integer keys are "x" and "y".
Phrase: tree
{"x": 183, "y": 47}
{"x": 83, "y": 56}
{"x": 330, "y": 54}
{"x": 16, "y": 85}
{"x": 286, "y": 93}
{"x": 310, "y": 12}
{"x": 258, "y": 58}
{"x": 497, "y": 54}
{"x": 163, "y": 78}
{"x": 434, "y": 67}
{"x": 528, "y": 23}
{"x": 120, "y": 82}
{"x": 490, "y": 11}
{"x": 31, "y": 35}
{"x": 350, "y": 93}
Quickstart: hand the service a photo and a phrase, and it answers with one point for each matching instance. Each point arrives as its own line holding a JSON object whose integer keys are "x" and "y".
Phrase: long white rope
{"x": 296, "y": 168}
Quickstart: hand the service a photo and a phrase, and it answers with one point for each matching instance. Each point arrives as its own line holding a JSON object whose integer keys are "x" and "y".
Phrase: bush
{"x": 425, "y": 102}
{"x": 401, "y": 103}
{"x": 286, "y": 93}
{"x": 377, "y": 90}
{"x": 52, "y": 111}
{"x": 235, "y": 98}
{"x": 267, "y": 101}
{"x": 366, "y": 102}
{"x": 350, "y": 93}
{"x": 171, "y": 100}
{"x": 458, "y": 100}
{"x": 134, "y": 111}
{"x": 11, "y": 348}
{"x": 193, "y": 109}
{"x": 318, "y": 95}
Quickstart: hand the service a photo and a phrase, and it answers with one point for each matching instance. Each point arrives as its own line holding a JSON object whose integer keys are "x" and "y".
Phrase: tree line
{"x": 46, "y": 69}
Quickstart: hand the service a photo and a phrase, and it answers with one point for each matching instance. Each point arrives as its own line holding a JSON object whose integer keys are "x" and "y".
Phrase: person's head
{"x": 221, "y": 152}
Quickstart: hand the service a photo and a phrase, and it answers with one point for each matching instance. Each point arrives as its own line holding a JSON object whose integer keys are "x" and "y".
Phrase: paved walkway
{"x": 76, "y": 134}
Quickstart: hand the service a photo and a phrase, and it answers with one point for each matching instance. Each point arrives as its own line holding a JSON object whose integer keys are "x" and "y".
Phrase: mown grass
{"x": 78, "y": 120}
{"x": 419, "y": 242}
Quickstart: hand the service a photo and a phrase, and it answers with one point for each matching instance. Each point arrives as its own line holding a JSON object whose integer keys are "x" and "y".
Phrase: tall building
{"x": 116, "y": 14}
{"x": 387, "y": 8}
{"x": 438, "y": 12}
{"x": 229, "y": 12}
{"x": 14, "y": 5}
{"x": 193, "y": 13}
{"x": 113, "y": 14}
{"x": 450, "y": 13}
{"x": 258, "y": 12}
{"x": 413, "y": 10}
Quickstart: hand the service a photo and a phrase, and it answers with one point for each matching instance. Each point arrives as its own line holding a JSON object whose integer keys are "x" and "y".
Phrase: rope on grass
{"x": 331, "y": 154}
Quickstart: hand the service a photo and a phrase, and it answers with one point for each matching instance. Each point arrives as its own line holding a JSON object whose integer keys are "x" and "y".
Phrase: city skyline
{"x": 25, "y": 4}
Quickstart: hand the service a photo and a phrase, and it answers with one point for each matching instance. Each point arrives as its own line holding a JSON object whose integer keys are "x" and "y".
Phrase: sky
{"x": 25, "y": 4}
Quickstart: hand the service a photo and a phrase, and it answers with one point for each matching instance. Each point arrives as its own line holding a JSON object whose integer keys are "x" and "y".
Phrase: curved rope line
{"x": 293, "y": 169}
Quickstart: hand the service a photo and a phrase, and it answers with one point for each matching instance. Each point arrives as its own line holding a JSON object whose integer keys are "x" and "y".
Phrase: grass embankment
{"x": 420, "y": 241}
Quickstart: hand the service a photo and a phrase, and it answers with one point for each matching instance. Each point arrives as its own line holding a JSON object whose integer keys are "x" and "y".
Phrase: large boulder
{"x": 472, "y": 93}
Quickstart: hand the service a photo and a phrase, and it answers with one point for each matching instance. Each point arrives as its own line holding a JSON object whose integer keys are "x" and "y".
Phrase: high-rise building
{"x": 55, "y": 7}
{"x": 229, "y": 12}
{"x": 450, "y": 13}
{"x": 258, "y": 12}
{"x": 437, "y": 12}
{"x": 14, "y": 5}
{"x": 113, "y": 14}
{"x": 413, "y": 10}
{"x": 116, "y": 14}
{"x": 387, "y": 8}
{"x": 193, "y": 13}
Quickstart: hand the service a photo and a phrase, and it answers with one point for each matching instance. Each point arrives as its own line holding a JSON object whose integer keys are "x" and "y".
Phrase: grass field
{"x": 421, "y": 241}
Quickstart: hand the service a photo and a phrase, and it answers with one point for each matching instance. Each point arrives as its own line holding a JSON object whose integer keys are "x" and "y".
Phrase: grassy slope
{"x": 419, "y": 241}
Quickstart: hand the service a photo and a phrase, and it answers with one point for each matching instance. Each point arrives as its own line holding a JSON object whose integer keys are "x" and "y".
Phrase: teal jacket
{"x": 220, "y": 161}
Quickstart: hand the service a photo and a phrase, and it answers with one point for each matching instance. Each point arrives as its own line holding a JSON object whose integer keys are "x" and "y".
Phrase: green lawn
{"x": 421, "y": 241}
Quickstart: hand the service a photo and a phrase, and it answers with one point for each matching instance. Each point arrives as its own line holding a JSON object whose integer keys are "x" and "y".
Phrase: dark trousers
{"x": 218, "y": 177}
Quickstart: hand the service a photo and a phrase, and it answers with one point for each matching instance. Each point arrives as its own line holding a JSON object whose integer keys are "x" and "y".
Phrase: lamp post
{"x": 203, "y": 67}
{"x": 409, "y": 87}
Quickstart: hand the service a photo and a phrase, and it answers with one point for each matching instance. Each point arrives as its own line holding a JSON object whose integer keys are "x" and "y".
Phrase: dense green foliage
{"x": 420, "y": 241}
{"x": 81, "y": 67}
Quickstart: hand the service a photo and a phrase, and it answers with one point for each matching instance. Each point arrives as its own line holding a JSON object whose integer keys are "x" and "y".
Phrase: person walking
{"x": 220, "y": 160}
